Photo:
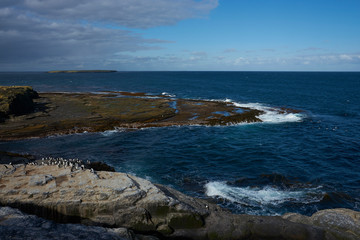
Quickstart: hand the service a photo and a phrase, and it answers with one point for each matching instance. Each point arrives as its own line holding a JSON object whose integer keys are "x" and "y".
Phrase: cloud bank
{"x": 56, "y": 33}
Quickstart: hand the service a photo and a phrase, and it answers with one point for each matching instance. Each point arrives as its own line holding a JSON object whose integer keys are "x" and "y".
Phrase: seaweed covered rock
{"x": 16, "y": 100}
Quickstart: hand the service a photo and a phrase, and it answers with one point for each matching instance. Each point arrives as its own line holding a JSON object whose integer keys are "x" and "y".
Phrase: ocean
{"x": 291, "y": 162}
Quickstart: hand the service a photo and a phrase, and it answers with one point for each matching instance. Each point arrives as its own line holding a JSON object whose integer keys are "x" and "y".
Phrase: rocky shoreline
{"x": 72, "y": 199}
{"x": 116, "y": 200}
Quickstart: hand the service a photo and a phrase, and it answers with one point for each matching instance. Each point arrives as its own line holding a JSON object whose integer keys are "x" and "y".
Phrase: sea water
{"x": 292, "y": 162}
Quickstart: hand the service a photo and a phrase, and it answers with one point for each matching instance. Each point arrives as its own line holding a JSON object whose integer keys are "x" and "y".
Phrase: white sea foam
{"x": 108, "y": 133}
{"x": 262, "y": 196}
{"x": 168, "y": 94}
{"x": 272, "y": 115}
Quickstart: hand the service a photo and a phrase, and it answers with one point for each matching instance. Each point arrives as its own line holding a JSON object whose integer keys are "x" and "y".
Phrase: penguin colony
{"x": 74, "y": 164}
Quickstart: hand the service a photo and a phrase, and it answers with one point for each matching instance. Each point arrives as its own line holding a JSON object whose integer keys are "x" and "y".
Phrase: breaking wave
{"x": 260, "y": 196}
{"x": 271, "y": 114}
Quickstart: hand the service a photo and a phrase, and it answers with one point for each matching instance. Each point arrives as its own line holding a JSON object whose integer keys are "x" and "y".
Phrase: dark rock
{"x": 15, "y": 158}
{"x": 101, "y": 166}
{"x": 16, "y": 225}
{"x": 16, "y": 100}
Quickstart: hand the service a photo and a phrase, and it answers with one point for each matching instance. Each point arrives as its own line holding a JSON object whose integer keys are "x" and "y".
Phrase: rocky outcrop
{"x": 119, "y": 200}
{"x": 16, "y": 100}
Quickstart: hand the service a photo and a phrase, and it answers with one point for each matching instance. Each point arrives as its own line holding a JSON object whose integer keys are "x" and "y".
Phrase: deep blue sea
{"x": 289, "y": 163}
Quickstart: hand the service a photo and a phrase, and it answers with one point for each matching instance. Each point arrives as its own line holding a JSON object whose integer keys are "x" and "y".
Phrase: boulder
{"x": 119, "y": 200}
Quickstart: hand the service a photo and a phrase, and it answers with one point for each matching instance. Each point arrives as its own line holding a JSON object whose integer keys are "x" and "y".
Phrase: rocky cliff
{"x": 69, "y": 194}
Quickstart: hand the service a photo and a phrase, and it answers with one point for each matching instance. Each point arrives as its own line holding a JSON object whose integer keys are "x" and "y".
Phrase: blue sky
{"x": 141, "y": 35}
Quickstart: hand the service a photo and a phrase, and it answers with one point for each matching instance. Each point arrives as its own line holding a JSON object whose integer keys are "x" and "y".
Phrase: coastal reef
{"x": 128, "y": 205}
{"x": 25, "y": 113}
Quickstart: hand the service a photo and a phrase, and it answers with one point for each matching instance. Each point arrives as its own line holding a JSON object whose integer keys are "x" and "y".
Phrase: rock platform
{"x": 119, "y": 200}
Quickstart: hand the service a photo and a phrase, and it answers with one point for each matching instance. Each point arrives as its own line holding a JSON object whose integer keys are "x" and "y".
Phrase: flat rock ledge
{"x": 118, "y": 204}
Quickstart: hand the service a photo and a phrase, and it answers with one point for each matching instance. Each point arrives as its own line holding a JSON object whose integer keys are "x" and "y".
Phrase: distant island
{"x": 82, "y": 71}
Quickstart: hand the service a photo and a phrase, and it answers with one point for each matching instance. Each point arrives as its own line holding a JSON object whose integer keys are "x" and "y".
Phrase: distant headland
{"x": 82, "y": 71}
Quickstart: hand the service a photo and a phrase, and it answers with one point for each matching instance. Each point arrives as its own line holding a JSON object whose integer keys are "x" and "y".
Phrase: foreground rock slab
{"x": 119, "y": 200}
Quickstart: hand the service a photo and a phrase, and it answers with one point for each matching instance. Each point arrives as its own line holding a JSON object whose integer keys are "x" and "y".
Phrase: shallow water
{"x": 299, "y": 162}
